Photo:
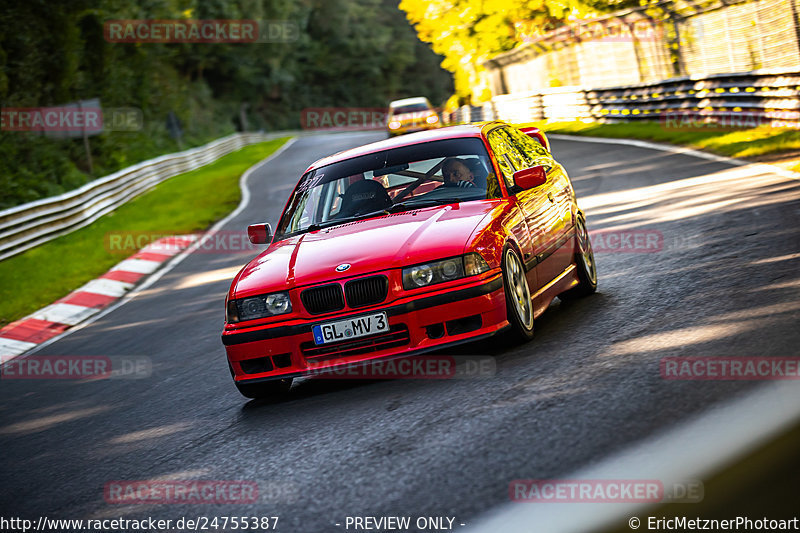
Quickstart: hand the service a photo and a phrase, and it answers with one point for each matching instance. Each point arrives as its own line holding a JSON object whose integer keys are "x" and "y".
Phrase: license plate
{"x": 352, "y": 328}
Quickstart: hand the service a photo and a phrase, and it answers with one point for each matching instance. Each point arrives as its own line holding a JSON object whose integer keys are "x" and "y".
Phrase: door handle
{"x": 550, "y": 197}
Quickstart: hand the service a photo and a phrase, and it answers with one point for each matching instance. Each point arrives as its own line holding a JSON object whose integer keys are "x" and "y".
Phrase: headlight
{"x": 258, "y": 307}
{"x": 433, "y": 119}
{"x": 393, "y": 125}
{"x": 418, "y": 276}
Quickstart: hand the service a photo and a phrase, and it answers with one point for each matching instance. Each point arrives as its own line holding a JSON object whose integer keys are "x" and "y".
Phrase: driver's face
{"x": 458, "y": 171}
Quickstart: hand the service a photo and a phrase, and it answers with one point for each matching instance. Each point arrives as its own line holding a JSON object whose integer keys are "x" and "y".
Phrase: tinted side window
{"x": 508, "y": 156}
{"x": 530, "y": 148}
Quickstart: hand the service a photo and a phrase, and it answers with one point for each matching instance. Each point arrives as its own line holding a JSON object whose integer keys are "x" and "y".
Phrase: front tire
{"x": 584, "y": 260}
{"x": 273, "y": 390}
{"x": 519, "y": 307}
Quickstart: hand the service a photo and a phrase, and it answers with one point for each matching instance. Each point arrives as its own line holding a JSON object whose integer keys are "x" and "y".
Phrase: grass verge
{"x": 187, "y": 203}
{"x": 765, "y": 144}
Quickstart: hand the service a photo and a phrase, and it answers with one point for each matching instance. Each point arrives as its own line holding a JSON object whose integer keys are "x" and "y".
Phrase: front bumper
{"x": 420, "y": 324}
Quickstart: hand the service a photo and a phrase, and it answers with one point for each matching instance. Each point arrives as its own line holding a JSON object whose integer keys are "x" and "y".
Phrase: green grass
{"x": 187, "y": 203}
{"x": 750, "y": 143}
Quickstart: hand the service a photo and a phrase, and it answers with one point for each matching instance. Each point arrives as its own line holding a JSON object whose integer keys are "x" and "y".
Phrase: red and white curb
{"x": 27, "y": 333}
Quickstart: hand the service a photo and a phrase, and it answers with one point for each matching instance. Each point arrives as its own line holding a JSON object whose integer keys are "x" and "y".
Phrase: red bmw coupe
{"x": 404, "y": 246}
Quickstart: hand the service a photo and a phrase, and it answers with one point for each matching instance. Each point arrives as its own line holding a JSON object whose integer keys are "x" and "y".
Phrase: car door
{"x": 558, "y": 227}
{"x": 534, "y": 207}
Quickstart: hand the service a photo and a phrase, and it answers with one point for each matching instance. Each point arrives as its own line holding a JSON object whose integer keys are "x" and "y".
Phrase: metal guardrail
{"x": 25, "y": 226}
{"x": 765, "y": 94}
{"x": 758, "y": 96}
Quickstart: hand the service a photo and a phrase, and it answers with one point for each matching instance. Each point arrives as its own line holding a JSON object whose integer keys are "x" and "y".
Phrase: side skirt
{"x": 565, "y": 281}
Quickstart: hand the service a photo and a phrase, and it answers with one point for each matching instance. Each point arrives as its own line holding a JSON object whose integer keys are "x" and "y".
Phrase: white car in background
{"x": 411, "y": 114}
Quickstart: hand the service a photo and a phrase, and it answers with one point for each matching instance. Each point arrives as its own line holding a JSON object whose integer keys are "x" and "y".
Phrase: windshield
{"x": 410, "y": 108}
{"x": 409, "y": 177}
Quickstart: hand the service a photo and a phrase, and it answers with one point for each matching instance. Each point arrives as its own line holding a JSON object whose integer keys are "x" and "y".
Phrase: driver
{"x": 456, "y": 173}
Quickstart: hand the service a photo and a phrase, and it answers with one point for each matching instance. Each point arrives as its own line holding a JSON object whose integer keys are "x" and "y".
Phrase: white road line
{"x": 758, "y": 167}
{"x": 695, "y": 449}
{"x": 64, "y": 313}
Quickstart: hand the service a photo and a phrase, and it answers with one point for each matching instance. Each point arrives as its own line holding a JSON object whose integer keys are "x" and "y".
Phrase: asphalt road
{"x": 725, "y": 282}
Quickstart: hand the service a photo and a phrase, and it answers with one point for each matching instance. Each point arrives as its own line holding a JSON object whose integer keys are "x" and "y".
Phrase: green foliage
{"x": 470, "y": 32}
{"x": 353, "y": 53}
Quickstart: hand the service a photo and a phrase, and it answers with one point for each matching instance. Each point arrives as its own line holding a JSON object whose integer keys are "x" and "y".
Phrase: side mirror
{"x": 528, "y": 178}
{"x": 259, "y": 233}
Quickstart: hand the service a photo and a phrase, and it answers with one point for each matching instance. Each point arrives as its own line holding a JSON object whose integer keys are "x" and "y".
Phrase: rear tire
{"x": 274, "y": 390}
{"x": 584, "y": 260}
{"x": 519, "y": 307}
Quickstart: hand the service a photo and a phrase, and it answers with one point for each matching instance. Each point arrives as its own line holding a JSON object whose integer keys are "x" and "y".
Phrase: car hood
{"x": 370, "y": 245}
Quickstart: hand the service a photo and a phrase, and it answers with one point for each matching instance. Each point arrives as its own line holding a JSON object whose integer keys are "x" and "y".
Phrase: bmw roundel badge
{"x": 342, "y": 267}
